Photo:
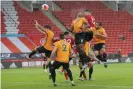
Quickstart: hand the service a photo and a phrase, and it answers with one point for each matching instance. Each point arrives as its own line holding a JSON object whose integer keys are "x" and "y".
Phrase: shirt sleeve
{"x": 72, "y": 23}
{"x": 56, "y": 44}
{"x": 103, "y": 31}
{"x": 84, "y": 20}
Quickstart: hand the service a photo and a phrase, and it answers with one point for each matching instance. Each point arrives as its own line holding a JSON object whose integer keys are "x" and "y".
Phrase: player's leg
{"x": 104, "y": 55}
{"x": 90, "y": 65}
{"x": 79, "y": 41}
{"x": 44, "y": 64}
{"x": 97, "y": 51}
{"x": 55, "y": 65}
{"x": 81, "y": 72}
{"x": 65, "y": 72}
{"x": 97, "y": 48}
{"x": 66, "y": 67}
{"x": 47, "y": 54}
{"x": 37, "y": 49}
{"x": 66, "y": 75}
{"x": 50, "y": 66}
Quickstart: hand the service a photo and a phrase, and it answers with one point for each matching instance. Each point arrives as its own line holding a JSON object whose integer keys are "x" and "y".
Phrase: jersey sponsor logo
{"x": 13, "y": 65}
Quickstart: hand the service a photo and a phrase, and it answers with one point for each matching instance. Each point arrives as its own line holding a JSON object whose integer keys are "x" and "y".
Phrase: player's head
{"x": 66, "y": 33}
{"x": 87, "y": 11}
{"x": 61, "y": 36}
{"x": 47, "y": 27}
{"x": 98, "y": 25}
{"x": 80, "y": 15}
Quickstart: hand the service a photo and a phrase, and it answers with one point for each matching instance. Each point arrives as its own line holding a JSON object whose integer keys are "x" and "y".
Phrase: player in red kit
{"x": 69, "y": 38}
{"x": 89, "y": 17}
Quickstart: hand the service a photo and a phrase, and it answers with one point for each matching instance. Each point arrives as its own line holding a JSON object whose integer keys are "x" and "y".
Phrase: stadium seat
{"x": 115, "y": 22}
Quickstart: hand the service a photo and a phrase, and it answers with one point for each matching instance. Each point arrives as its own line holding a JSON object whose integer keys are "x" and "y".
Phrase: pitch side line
{"x": 13, "y": 83}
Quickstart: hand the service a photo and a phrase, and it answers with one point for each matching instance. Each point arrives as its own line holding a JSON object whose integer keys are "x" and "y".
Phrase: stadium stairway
{"x": 16, "y": 43}
{"x": 114, "y": 22}
{"x": 55, "y": 21}
{"x": 10, "y": 17}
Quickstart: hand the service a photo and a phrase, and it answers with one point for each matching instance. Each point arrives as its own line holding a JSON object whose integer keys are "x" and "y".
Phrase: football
{"x": 45, "y": 7}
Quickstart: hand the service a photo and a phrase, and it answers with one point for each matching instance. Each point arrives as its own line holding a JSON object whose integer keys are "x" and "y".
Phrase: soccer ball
{"x": 45, "y": 7}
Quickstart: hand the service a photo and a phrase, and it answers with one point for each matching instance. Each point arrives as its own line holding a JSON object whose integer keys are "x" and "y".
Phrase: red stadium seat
{"x": 27, "y": 21}
{"x": 115, "y": 22}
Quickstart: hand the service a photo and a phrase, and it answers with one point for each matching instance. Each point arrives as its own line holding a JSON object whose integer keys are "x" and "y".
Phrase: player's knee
{"x": 90, "y": 65}
{"x": 103, "y": 50}
{"x": 96, "y": 53}
{"x": 65, "y": 71}
{"x": 36, "y": 48}
{"x": 80, "y": 65}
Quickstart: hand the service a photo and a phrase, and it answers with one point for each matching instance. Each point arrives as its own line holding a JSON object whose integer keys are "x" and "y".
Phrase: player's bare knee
{"x": 96, "y": 53}
{"x": 103, "y": 50}
{"x": 36, "y": 48}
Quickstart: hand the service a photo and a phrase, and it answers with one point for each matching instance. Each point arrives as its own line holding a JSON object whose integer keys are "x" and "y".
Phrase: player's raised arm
{"x": 104, "y": 34}
{"x": 39, "y": 27}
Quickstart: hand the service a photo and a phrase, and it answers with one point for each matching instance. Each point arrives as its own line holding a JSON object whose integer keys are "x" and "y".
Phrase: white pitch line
{"x": 76, "y": 84}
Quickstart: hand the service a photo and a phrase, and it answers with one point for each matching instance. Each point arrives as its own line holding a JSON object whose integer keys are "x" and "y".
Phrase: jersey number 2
{"x": 64, "y": 47}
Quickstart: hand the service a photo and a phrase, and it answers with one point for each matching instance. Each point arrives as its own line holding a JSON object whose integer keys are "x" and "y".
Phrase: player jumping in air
{"x": 100, "y": 36}
{"x": 91, "y": 22}
{"x": 48, "y": 45}
{"x": 82, "y": 36}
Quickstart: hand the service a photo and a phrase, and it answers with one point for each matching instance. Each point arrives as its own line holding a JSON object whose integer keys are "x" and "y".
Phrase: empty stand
{"x": 10, "y": 17}
{"x": 115, "y": 22}
{"x": 26, "y": 20}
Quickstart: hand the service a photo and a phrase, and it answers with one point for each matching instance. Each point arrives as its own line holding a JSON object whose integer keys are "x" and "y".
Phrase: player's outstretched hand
{"x": 36, "y": 23}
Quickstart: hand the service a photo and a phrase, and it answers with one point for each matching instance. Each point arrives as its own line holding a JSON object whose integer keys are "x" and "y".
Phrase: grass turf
{"x": 116, "y": 76}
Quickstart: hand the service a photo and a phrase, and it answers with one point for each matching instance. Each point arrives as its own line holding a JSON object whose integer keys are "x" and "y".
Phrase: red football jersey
{"x": 70, "y": 40}
{"x": 91, "y": 20}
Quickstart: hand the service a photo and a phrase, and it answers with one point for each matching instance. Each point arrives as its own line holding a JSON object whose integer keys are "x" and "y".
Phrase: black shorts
{"x": 88, "y": 36}
{"x": 82, "y": 37}
{"x": 99, "y": 46}
{"x": 57, "y": 64}
{"x": 79, "y": 38}
{"x": 41, "y": 49}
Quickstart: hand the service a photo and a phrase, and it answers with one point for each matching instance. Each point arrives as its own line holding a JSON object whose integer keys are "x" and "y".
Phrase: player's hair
{"x": 99, "y": 23}
{"x": 61, "y": 36}
{"x": 80, "y": 15}
{"x": 66, "y": 33}
{"x": 88, "y": 10}
{"x": 47, "y": 26}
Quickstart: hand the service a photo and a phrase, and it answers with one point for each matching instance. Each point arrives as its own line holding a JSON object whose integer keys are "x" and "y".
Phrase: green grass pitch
{"x": 116, "y": 76}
